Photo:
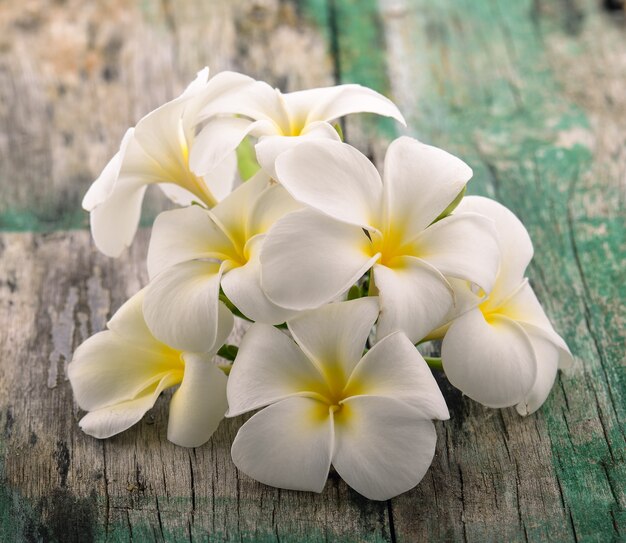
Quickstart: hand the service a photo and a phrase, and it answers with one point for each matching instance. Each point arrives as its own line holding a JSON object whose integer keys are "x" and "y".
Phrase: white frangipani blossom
{"x": 117, "y": 375}
{"x": 194, "y": 251}
{"x": 279, "y": 120}
{"x": 369, "y": 416}
{"x": 357, "y": 221}
{"x": 505, "y": 351}
{"x": 156, "y": 151}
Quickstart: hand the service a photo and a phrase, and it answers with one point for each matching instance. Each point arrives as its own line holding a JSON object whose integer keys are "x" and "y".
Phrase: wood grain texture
{"x": 75, "y": 75}
{"x": 529, "y": 93}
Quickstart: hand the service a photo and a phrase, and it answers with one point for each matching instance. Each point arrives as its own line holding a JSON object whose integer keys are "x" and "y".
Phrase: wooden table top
{"x": 531, "y": 93}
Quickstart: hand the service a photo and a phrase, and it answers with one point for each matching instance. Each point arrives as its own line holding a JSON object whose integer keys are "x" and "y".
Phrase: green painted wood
{"x": 529, "y": 93}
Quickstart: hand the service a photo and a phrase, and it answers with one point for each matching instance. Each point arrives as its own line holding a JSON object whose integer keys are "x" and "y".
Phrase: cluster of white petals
{"x": 118, "y": 374}
{"x": 325, "y": 403}
{"x": 504, "y": 351}
{"x": 342, "y": 270}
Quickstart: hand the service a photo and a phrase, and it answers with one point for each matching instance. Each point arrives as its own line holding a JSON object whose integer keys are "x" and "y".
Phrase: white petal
{"x": 514, "y": 242}
{"x": 186, "y": 234}
{"x": 547, "y": 362}
{"x": 161, "y": 135}
{"x": 219, "y": 138}
{"x": 114, "y": 222}
{"x": 394, "y": 368}
{"x": 308, "y": 259}
{"x": 128, "y": 323}
{"x": 102, "y": 187}
{"x": 242, "y": 286}
{"x": 111, "y": 420}
{"x": 492, "y": 362}
{"x": 177, "y": 194}
{"x": 382, "y": 448}
{"x": 158, "y": 133}
{"x": 333, "y": 178}
{"x": 257, "y": 100}
{"x": 107, "y": 369}
{"x": 288, "y": 445}
{"x": 320, "y": 130}
{"x": 225, "y": 324}
{"x": 464, "y": 246}
{"x": 199, "y": 404}
{"x": 566, "y": 360}
{"x": 196, "y": 86}
{"x": 221, "y": 93}
{"x": 219, "y": 182}
{"x": 181, "y": 305}
{"x": 329, "y": 103}
{"x": 233, "y": 212}
{"x": 269, "y": 367}
{"x": 465, "y": 299}
{"x": 524, "y": 308}
{"x": 414, "y": 297}
{"x": 202, "y": 93}
{"x": 420, "y": 182}
{"x": 334, "y": 335}
{"x": 270, "y": 147}
{"x": 221, "y": 179}
{"x": 270, "y": 206}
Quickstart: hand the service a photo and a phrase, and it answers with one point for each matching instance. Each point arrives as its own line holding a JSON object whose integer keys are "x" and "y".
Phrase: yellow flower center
{"x": 391, "y": 247}
{"x": 331, "y": 393}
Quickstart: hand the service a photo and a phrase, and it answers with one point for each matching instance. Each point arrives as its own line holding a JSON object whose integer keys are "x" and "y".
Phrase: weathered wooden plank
{"x": 74, "y": 76}
{"x": 531, "y": 94}
{"x": 64, "y": 485}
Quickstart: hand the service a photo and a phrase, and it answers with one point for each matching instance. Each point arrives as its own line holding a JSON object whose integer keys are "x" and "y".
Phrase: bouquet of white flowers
{"x": 343, "y": 272}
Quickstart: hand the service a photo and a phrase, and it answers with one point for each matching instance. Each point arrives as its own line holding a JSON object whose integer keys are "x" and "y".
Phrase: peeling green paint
{"x": 490, "y": 95}
{"x": 356, "y": 41}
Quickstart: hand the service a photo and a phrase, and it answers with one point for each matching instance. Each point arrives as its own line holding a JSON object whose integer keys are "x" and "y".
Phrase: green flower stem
{"x": 434, "y": 363}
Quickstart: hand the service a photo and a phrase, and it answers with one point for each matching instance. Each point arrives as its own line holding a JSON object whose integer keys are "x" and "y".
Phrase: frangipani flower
{"x": 193, "y": 251}
{"x": 369, "y": 416}
{"x": 505, "y": 351}
{"x": 280, "y": 120}
{"x": 358, "y": 221}
{"x": 156, "y": 151}
{"x": 118, "y": 374}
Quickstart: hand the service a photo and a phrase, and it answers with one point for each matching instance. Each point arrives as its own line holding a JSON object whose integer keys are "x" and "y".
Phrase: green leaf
{"x": 448, "y": 210}
{"x": 246, "y": 160}
{"x": 355, "y": 292}
{"x": 229, "y": 352}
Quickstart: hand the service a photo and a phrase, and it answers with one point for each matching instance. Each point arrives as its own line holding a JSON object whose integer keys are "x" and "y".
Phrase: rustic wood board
{"x": 530, "y": 93}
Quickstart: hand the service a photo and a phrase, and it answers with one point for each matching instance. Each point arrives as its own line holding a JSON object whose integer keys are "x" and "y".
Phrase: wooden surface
{"x": 531, "y": 93}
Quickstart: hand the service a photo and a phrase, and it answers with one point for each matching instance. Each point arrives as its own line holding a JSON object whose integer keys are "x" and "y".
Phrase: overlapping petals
{"x": 505, "y": 351}
{"x": 361, "y": 220}
{"x": 117, "y": 375}
{"x": 193, "y": 252}
{"x": 345, "y": 385}
{"x": 369, "y": 416}
{"x": 156, "y": 151}
{"x": 281, "y": 121}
